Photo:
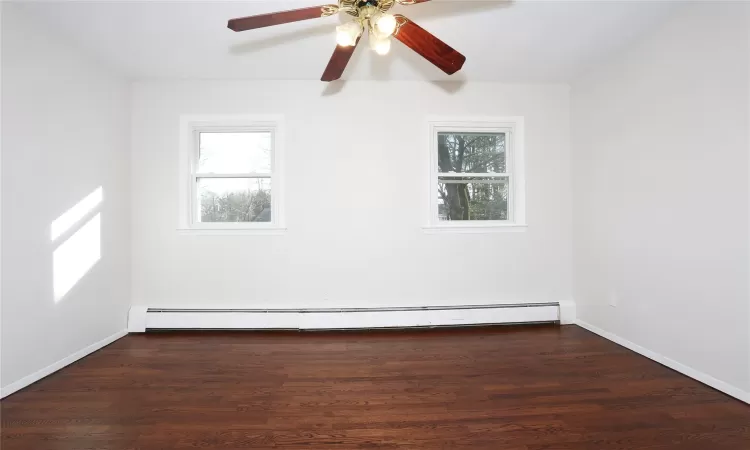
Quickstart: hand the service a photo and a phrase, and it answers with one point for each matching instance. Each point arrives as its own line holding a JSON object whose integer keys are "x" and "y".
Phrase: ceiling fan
{"x": 368, "y": 15}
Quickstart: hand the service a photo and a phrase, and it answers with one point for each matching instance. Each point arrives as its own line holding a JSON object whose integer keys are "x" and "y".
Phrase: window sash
{"x": 459, "y": 130}
{"x": 484, "y": 180}
{"x": 197, "y": 209}
{"x": 196, "y": 204}
{"x": 198, "y": 130}
{"x": 506, "y": 179}
{"x": 195, "y": 154}
{"x": 232, "y": 175}
{"x": 474, "y": 130}
{"x": 473, "y": 175}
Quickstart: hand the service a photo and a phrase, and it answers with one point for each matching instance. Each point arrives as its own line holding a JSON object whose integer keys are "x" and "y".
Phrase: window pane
{"x": 473, "y": 198}
{"x": 234, "y": 199}
{"x": 471, "y": 152}
{"x": 247, "y": 152}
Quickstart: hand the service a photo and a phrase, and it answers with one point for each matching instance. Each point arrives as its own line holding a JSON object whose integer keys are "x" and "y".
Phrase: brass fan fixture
{"x": 371, "y": 16}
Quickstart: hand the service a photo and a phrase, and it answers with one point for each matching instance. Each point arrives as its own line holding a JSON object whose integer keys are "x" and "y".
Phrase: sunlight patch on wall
{"x": 76, "y": 256}
{"x": 69, "y": 218}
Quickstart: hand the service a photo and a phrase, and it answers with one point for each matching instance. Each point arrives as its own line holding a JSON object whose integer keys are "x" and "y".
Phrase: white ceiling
{"x": 510, "y": 41}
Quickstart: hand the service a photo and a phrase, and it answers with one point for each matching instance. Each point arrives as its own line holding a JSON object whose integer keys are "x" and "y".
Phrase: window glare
{"x": 235, "y": 152}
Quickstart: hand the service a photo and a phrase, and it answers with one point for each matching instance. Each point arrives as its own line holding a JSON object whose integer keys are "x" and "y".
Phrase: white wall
{"x": 65, "y": 132}
{"x": 660, "y": 188}
{"x": 356, "y": 164}
{"x": 748, "y": 149}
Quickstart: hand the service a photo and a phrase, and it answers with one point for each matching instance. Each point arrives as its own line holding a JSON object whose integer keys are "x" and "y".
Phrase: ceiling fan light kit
{"x": 367, "y": 15}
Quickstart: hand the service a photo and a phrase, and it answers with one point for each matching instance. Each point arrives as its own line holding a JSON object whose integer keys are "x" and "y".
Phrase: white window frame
{"x": 190, "y": 128}
{"x": 515, "y": 172}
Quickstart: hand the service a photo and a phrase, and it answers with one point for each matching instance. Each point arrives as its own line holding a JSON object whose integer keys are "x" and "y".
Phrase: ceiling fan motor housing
{"x": 365, "y": 8}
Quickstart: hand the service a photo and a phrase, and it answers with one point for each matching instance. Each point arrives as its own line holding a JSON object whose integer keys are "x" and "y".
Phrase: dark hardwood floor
{"x": 507, "y": 388}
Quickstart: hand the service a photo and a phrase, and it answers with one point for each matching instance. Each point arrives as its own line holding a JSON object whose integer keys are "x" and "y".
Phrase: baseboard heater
{"x": 143, "y": 319}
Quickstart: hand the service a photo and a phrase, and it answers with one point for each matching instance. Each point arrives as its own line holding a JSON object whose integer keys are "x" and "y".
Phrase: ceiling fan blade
{"x": 430, "y": 47}
{"x": 338, "y": 62}
{"x": 278, "y": 18}
{"x": 410, "y": 2}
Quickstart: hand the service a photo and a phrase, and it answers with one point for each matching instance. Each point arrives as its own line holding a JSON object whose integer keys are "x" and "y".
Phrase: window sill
{"x": 475, "y": 229}
{"x": 231, "y": 231}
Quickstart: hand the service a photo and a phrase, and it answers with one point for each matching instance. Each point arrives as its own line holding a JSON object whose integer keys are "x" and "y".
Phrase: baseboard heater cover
{"x": 344, "y": 318}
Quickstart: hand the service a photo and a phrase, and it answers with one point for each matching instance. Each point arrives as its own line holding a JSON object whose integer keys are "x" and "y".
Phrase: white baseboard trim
{"x": 672, "y": 364}
{"x": 137, "y": 319}
{"x": 343, "y": 319}
{"x": 54, "y": 367}
{"x": 567, "y": 312}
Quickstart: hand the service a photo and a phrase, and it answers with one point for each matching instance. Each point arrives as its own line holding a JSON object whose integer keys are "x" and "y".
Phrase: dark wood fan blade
{"x": 338, "y": 62}
{"x": 278, "y": 18}
{"x": 431, "y": 48}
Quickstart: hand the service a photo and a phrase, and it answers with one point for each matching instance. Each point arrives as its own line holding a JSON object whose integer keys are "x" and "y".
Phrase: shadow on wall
{"x": 81, "y": 250}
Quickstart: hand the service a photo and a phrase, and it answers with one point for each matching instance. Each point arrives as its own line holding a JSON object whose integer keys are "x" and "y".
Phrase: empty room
{"x": 396, "y": 224}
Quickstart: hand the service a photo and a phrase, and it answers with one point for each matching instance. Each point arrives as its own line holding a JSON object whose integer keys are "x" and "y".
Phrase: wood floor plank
{"x": 506, "y": 388}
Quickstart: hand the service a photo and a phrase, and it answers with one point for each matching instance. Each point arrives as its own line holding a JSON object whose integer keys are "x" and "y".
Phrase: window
{"x": 476, "y": 174}
{"x": 232, "y": 168}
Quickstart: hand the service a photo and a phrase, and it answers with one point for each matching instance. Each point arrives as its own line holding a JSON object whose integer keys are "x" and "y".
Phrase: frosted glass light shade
{"x": 381, "y": 46}
{"x": 386, "y": 24}
{"x": 348, "y": 33}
